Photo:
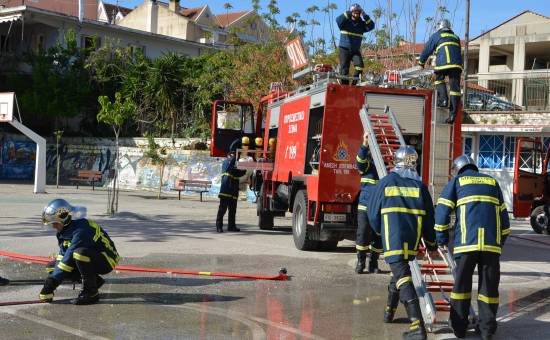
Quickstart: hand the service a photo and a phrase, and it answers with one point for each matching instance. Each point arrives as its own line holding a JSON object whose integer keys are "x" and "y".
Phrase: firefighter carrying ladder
{"x": 433, "y": 278}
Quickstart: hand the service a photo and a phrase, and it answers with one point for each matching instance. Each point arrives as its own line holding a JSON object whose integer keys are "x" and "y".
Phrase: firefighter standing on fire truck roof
{"x": 229, "y": 189}
{"x": 352, "y": 25}
{"x": 366, "y": 238}
{"x": 400, "y": 209}
{"x": 479, "y": 234}
{"x": 448, "y": 62}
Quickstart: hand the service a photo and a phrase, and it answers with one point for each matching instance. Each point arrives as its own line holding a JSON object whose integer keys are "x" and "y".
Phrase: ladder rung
{"x": 434, "y": 265}
{"x": 436, "y": 271}
{"x": 439, "y": 289}
{"x": 383, "y": 126}
{"x": 441, "y": 303}
{"x": 379, "y": 116}
{"x": 440, "y": 283}
{"x": 443, "y": 308}
{"x": 390, "y": 146}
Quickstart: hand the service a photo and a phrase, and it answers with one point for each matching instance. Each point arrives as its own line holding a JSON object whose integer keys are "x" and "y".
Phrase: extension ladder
{"x": 432, "y": 277}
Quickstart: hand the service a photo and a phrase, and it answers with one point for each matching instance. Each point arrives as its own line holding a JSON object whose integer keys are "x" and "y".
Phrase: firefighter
{"x": 479, "y": 234}
{"x": 229, "y": 190}
{"x": 84, "y": 247}
{"x": 4, "y": 281}
{"x": 352, "y": 25}
{"x": 366, "y": 238}
{"x": 448, "y": 63}
{"x": 400, "y": 209}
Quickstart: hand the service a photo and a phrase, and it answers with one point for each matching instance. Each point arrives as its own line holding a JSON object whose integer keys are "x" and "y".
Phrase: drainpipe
{"x": 152, "y": 16}
{"x": 80, "y": 10}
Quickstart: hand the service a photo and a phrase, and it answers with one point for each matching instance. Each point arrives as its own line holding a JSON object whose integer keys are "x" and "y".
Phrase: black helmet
{"x": 235, "y": 145}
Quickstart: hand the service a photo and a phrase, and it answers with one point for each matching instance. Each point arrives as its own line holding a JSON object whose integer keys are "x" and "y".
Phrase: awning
{"x": 10, "y": 17}
{"x": 505, "y": 128}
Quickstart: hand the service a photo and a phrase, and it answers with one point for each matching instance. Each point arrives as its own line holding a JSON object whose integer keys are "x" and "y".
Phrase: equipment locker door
{"x": 528, "y": 175}
{"x": 230, "y": 121}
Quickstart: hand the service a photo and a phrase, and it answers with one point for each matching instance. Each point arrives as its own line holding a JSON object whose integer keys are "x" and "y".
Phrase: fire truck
{"x": 306, "y": 166}
{"x": 531, "y": 191}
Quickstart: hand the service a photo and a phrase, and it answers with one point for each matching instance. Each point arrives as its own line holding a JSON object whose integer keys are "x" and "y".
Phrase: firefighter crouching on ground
{"x": 479, "y": 234}
{"x": 400, "y": 209}
{"x": 84, "y": 247}
{"x": 229, "y": 189}
{"x": 366, "y": 237}
{"x": 448, "y": 62}
{"x": 352, "y": 25}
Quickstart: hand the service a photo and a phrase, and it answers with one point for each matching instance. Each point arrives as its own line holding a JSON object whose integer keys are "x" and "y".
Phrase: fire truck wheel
{"x": 302, "y": 237}
{"x": 539, "y": 220}
{"x": 265, "y": 218}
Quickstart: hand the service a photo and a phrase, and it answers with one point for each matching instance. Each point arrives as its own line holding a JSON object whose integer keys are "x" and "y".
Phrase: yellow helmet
{"x": 259, "y": 141}
{"x": 272, "y": 141}
{"x": 245, "y": 140}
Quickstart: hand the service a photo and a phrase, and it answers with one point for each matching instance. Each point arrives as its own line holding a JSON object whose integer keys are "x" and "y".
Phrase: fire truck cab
{"x": 311, "y": 137}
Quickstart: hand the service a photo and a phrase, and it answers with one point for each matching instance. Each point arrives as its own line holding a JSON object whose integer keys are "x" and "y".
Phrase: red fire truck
{"x": 532, "y": 183}
{"x": 311, "y": 171}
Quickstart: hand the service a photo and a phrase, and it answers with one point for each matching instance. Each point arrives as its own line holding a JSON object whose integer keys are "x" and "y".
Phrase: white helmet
{"x": 405, "y": 162}
{"x": 461, "y": 162}
{"x": 444, "y": 25}
{"x": 60, "y": 211}
{"x": 355, "y": 7}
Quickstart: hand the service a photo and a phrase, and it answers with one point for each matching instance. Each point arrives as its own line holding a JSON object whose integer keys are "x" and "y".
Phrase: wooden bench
{"x": 87, "y": 176}
{"x": 199, "y": 186}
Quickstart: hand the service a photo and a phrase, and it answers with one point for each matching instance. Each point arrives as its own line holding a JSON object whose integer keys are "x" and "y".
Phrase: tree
{"x": 158, "y": 156}
{"x": 115, "y": 114}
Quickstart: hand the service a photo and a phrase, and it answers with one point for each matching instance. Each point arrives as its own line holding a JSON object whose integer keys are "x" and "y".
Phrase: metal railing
{"x": 517, "y": 93}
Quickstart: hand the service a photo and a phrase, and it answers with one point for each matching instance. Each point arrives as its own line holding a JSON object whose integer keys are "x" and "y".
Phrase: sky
{"x": 484, "y": 14}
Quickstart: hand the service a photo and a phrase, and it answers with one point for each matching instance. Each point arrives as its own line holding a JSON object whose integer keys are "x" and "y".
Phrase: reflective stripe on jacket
{"x": 230, "y": 179}
{"x": 446, "y": 46}
{"x": 82, "y": 233}
{"x": 369, "y": 176}
{"x": 401, "y": 211}
{"x": 351, "y": 31}
{"x": 482, "y": 222}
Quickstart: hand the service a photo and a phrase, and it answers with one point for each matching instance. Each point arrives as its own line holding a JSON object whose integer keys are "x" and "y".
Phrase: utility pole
{"x": 467, "y": 42}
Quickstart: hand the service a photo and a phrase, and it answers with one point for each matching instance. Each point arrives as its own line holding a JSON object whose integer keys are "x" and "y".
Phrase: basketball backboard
{"x": 6, "y": 106}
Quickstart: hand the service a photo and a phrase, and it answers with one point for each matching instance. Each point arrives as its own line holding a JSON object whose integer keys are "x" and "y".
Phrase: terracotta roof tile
{"x": 228, "y": 18}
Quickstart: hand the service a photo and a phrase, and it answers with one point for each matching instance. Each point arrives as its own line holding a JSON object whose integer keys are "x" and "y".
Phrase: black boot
{"x": 219, "y": 229}
{"x": 89, "y": 294}
{"x": 417, "y": 331}
{"x": 233, "y": 228}
{"x": 373, "y": 263}
{"x": 361, "y": 261}
{"x": 391, "y": 307}
{"x": 450, "y": 120}
{"x": 4, "y": 282}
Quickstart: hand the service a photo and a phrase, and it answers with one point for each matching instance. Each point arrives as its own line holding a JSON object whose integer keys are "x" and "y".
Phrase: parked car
{"x": 486, "y": 102}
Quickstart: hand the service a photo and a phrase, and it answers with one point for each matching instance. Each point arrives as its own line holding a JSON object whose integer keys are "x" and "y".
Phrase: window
{"x": 37, "y": 43}
{"x": 253, "y": 25}
{"x": 90, "y": 42}
{"x": 467, "y": 146}
{"x": 509, "y": 152}
{"x": 491, "y": 151}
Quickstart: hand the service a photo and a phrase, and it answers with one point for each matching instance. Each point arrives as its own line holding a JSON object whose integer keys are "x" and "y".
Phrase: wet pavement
{"x": 322, "y": 300}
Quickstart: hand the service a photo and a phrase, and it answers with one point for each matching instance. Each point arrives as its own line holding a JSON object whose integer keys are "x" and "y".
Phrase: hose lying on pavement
{"x": 282, "y": 275}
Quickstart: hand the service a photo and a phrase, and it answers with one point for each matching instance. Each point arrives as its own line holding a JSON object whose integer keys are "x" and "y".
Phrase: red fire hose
{"x": 282, "y": 275}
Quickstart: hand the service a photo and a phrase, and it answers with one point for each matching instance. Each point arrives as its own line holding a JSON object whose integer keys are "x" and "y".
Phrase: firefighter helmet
{"x": 444, "y": 25}
{"x": 461, "y": 162}
{"x": 355, "y": 8}
{"x": 271, "y": 142}
{"x": 259, "y": 141}
{"x": 406, "y": 157}
{"x": 245, "y": 141}
{"x": 57, "y": 211}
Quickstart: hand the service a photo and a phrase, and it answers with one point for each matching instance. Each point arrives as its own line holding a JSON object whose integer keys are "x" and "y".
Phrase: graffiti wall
{"x": 17, "y": 157}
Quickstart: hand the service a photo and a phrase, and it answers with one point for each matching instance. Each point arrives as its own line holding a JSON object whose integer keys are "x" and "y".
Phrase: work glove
{"x": 46, "y": 294}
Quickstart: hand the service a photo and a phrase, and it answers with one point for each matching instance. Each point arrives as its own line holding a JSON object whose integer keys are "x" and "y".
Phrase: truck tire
{"x": 302, "y": 237}
{"x": 265, "y": 218}
{"x": 539, "y": 220}
{"x": 328, "y": 245}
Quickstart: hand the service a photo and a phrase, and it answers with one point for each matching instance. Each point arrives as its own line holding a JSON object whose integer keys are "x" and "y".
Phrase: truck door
{"x": 528, "y": 175}
{"x": 230, "y": 121}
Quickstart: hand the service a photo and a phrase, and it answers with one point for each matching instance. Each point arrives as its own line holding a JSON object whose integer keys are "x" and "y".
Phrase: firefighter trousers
{"x": 401, "y": 281}
{"x": 488, "y": 268}
{"x": 454, "y": 86}
{"x": 90, "y": 263}
{"x": 346, "y": 56}
{"x": 366, "y": 237}
{"x": 226, "y": 203}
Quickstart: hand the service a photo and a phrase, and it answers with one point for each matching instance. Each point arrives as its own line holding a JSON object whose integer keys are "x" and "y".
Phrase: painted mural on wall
{"x": 17, "y": 158}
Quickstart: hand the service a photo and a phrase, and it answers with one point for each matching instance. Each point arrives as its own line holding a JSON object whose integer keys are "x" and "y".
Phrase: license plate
{"x": 335, "y": 217}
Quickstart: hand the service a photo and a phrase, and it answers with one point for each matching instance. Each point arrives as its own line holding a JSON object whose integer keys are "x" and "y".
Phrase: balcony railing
{"x": 521, "y": 92}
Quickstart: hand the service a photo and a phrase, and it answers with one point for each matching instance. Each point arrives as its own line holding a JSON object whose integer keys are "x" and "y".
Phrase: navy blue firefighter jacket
{"x": 230, "y": 178}
{"x": 369, "y": 176}
{"x": 401, "y": 211}
{"x": 81, "y": 233}
{"x": 482, "y": 222}
{"x": 351, "y": 31}
{"x": 446, "y": 46}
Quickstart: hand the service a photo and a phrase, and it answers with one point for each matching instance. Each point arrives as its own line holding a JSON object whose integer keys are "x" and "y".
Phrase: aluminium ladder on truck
{"x": 430, "y": 276}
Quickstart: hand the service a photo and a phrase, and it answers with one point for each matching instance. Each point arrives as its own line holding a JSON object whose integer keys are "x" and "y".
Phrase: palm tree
{"x": 227, "y": 7}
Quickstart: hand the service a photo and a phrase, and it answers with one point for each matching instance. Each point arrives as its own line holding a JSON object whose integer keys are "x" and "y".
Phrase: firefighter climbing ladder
{"x": 431, "y": 276}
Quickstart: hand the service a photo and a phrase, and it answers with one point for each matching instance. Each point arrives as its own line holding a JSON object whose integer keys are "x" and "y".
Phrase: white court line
{"x": 52, "y": 324}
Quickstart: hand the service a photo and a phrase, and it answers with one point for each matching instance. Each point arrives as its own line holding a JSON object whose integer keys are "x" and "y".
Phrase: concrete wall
{"x": 136, "y": 172}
